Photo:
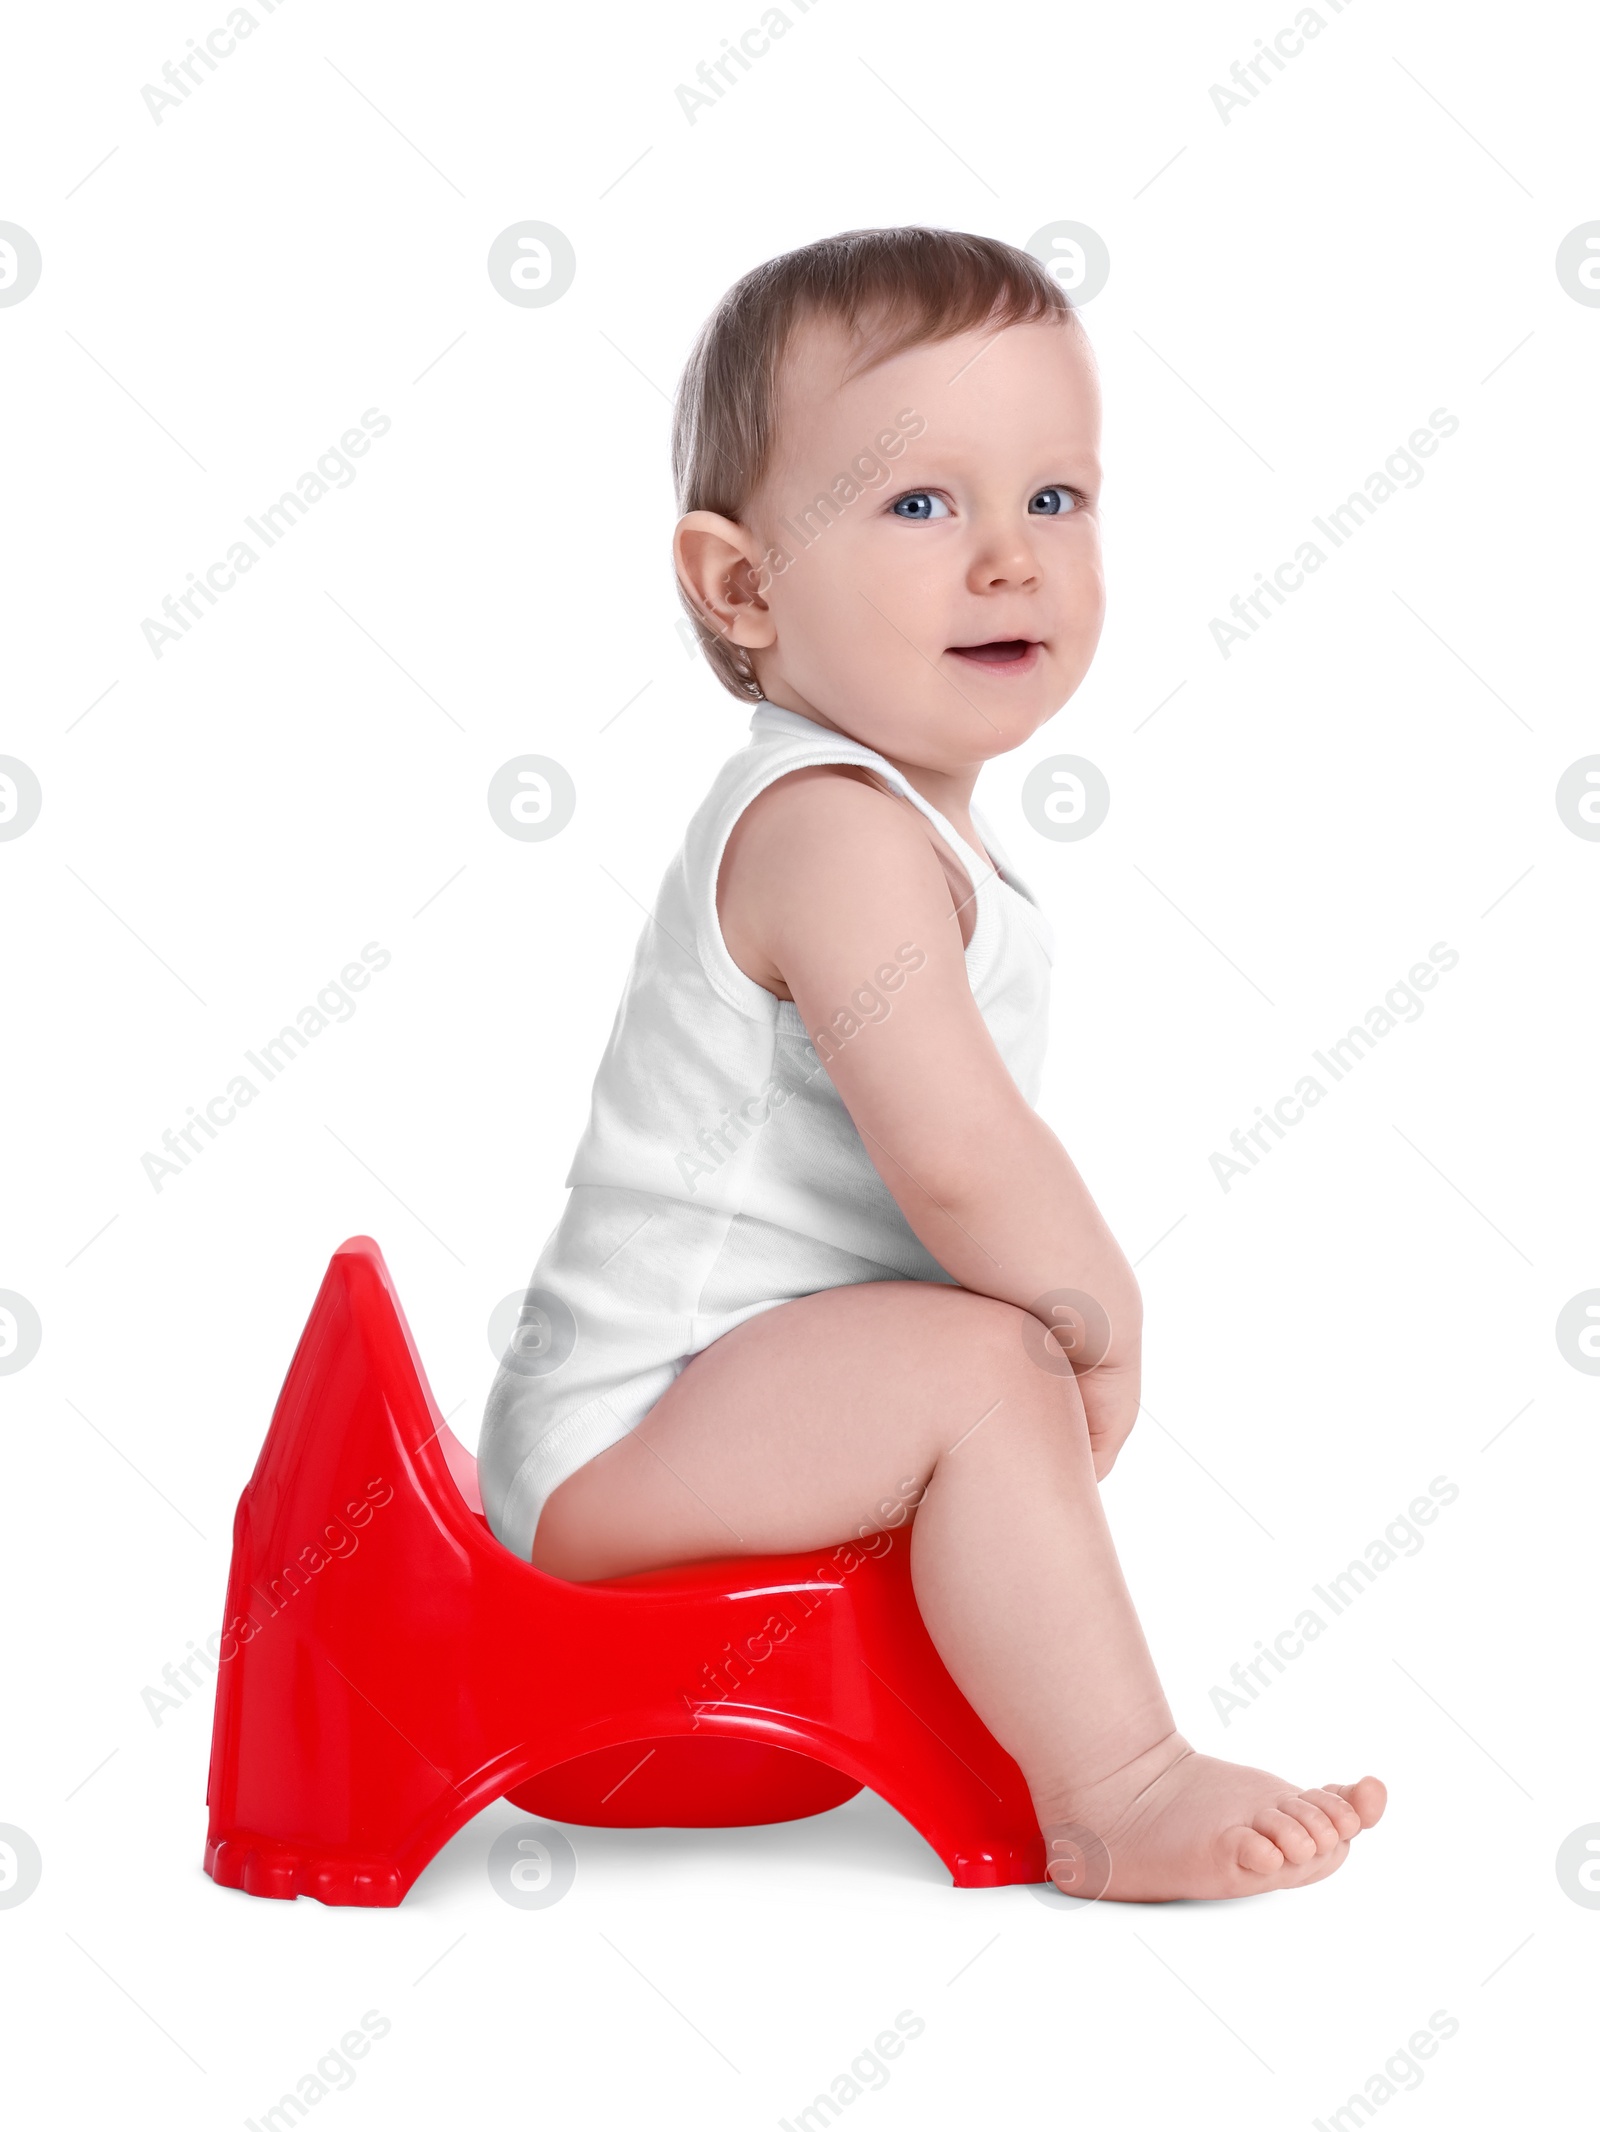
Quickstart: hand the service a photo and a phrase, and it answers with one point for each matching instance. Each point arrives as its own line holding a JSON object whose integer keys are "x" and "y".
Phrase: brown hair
{"x": 892, "y": 289}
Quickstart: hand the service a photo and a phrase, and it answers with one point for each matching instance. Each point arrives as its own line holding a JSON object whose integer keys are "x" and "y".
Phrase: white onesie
{"x": 720, "y": 1173}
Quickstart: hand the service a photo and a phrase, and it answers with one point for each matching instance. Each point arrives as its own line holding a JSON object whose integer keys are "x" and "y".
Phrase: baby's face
{"x": 954, "y": 605}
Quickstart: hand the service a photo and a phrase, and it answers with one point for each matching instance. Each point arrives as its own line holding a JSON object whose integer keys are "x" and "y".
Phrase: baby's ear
{"x": 719, "y": 565}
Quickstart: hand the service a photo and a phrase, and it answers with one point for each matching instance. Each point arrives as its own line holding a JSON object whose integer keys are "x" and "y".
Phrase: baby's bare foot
{"x": 1174, "y": 1823}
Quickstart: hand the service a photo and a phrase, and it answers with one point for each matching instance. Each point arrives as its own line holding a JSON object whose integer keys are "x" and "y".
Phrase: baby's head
{"x": 886, "y": 447}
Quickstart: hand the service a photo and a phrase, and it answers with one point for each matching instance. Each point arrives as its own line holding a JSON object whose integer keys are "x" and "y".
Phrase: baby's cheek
{"x": 836, "y": 636}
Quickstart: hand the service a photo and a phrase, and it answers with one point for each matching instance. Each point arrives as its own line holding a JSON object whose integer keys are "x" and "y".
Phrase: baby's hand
{"x": 1111, "y": 1405}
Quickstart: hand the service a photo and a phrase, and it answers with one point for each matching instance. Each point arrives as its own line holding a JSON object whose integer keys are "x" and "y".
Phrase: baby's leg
{"x": 812, "y": 1419}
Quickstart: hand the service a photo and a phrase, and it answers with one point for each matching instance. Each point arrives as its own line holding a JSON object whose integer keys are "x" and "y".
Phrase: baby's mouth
{"x": 999, "y": 653}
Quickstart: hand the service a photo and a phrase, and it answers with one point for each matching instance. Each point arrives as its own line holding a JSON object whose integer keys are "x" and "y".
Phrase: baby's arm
{"x": 825, "y": 881}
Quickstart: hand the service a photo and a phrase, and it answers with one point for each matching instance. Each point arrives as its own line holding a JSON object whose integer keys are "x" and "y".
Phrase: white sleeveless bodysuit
{"x": 720, "y": 1173}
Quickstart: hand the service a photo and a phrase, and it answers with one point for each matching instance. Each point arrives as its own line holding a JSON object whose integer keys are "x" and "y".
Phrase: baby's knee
{"x": 1019, "y": 1363}
{"x": 1015, "y": 1343}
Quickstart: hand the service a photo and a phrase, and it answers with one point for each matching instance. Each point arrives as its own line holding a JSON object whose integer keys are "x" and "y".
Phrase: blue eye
{"x": 1053, "y": 503}
{"x": 922, "y": 504}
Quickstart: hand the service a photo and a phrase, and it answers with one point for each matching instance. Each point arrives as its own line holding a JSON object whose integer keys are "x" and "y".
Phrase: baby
{"x": 822, "y": 1263}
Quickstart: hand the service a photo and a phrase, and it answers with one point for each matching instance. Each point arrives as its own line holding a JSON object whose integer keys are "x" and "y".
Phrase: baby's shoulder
{"x": 817, "y": 834}
{"x": 816, "y": 811}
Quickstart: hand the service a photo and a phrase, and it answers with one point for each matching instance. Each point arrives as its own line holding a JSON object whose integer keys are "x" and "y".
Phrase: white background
{"x": 1291, "y": 294}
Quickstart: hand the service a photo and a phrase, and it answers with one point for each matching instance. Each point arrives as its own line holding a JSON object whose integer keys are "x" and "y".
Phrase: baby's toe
{"x": 1340, "y": 1813}
{"x": 1253, "y": 1851}
{"x": 1367, "y": 1795}
{"x": 1318, "y": 1825}
{"x": 1296, "y": 1842}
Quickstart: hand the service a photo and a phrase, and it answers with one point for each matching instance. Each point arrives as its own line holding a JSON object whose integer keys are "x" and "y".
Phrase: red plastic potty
{"x": 387, "y": 1667}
